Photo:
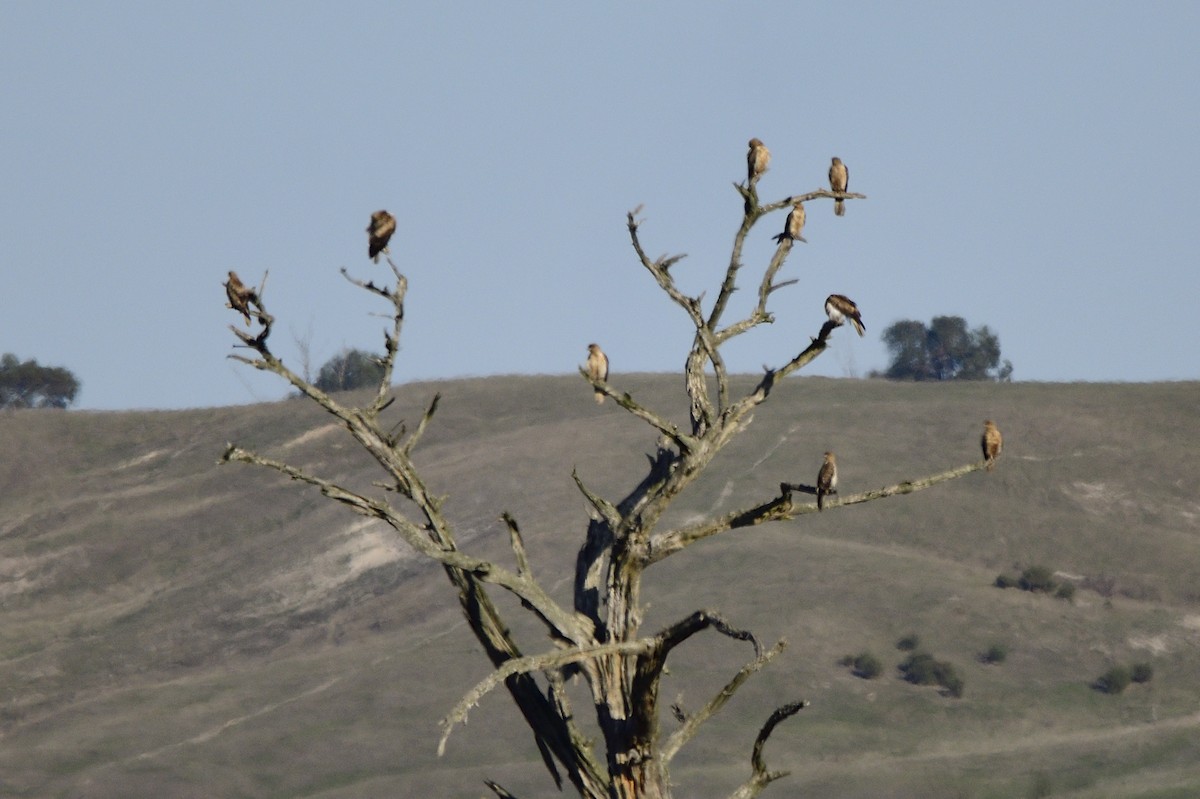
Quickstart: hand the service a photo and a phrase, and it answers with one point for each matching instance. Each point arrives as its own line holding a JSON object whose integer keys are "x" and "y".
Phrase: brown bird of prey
{"x": 839, "y": 179}
{"x": 380, "y": 231}
{"x": 239, "y": 296}
{"x": 839, "y": 308}
{"x": 794, "y": 225}
{"x": 597, "y": 368}
{"x": 992, "y": 442}
{"x": 756, "y": 160}
{"x": 826, "y": 479}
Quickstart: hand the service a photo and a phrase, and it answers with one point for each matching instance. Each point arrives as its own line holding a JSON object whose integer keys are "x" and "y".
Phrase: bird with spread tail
{"x": 379, "y": 233}
{"x": 756, "y": 160}
{"x": 826, "y": 479}
{"x": 597, "y": 368}
{"x": 794, "y": 226}
{"x": 839, "y": 308}
{"x": 239, "y": 296}
{"x": 992, "y": 442}
{"x": 839, "y": 179}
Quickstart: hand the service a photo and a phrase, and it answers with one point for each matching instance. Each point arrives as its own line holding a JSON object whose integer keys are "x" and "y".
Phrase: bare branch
{"x": 692, "y": 723}
{"x": 782, "y": 508}
{"x": 499, "y": 790}
{"x": 420, "y": 431}
{"x": 659, "y": 269}
{"x": 648, "y": 416}
{"x": 761, "y": 777}
{"x": 562, "y": 624}
{"x": 518, "y": 545}
{"x": 606, "y": 510}
{"x": 788, "y": 202}
{"x": 530, "y": 663}
{"x": 391, "y": 341}
{"x": 685, "y": 628}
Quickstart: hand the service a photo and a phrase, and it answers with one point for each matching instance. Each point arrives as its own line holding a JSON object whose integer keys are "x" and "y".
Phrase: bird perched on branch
{"x": 756, "y": 160}
{"x": 239, "y": 296}
{"x": 839, "y": 308}
{"x": 992, "y": 442}
{"x": 597, "y": 368}
{"x": 826, "y": 479}
{"x": 839, "y": 179}
{"x": 380, "y": 231}
{"x": 794, "y": 226}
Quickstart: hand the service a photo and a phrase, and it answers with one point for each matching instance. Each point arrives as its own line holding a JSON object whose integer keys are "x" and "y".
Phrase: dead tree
{"x": 600, "y": 636}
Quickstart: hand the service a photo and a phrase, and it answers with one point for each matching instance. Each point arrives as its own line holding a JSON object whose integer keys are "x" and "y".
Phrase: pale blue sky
{"x": 1030, "y": 166}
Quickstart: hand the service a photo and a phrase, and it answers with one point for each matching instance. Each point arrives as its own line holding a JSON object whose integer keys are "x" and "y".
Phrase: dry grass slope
{"x": 172, "y": 628}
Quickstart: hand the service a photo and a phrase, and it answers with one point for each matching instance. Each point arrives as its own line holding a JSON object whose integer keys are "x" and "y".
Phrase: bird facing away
{"x": 794, "y": 225}
{"x": 839, "y": 179}
{"x": 992, "y": 442}
{"x": 826, "y": 479}
{"x": 756, "y": 160}
{"x": 239, "y": 296}
{"x": 839, "y": 308}
{"x": 597, "y": 368}
{"x": 380, "y": 231}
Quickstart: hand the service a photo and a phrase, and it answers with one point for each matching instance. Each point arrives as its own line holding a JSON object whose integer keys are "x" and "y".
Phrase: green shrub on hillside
{"x": 1037, "y": 578}
{"x": 1141, "y": 672}
{"x": 867, "y": 666}
{"x": 996, "y": 653}
{"x": 909, "y": 642}
{"x": 921, "y": 668}
{"x": 1114, "y": 681}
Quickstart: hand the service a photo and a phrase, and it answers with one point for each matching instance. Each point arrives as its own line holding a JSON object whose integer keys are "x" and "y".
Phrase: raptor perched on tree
{"x": 794, "y": 226}
{"x": 827, "y": 479}
{"x": 839, "y": 179}
{"x": 756, "y": 160}
{"x": 992, "y": 442}
{"x": 380, "y": 231}
{"x": 597, "y": 368}
{"x": 239, "y": 296}
{"x": 839, "y": 308}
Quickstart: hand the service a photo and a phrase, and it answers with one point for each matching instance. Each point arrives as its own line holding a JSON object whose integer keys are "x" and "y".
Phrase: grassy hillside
{"x": 170, "y": 627}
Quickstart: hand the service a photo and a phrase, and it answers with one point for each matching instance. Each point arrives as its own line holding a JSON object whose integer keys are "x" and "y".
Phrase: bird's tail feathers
{"x": 839, "y": 207}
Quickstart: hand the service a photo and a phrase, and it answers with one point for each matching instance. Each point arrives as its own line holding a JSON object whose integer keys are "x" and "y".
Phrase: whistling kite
{"x": 992, "y": 442}
{"x": 597, "y": 368}
{"x": 826, "y": 479}
{"x": 239, "y": 296}
{"x": 794, "y": 225}
{"x": 756, "y": 160}
{"x": 839, "y": 179}
{"x": 839, "y": 308}
{"x": 380, "y": 231}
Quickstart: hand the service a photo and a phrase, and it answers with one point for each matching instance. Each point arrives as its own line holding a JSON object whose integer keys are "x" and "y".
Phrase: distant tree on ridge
{"x": 28, "y": 385}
